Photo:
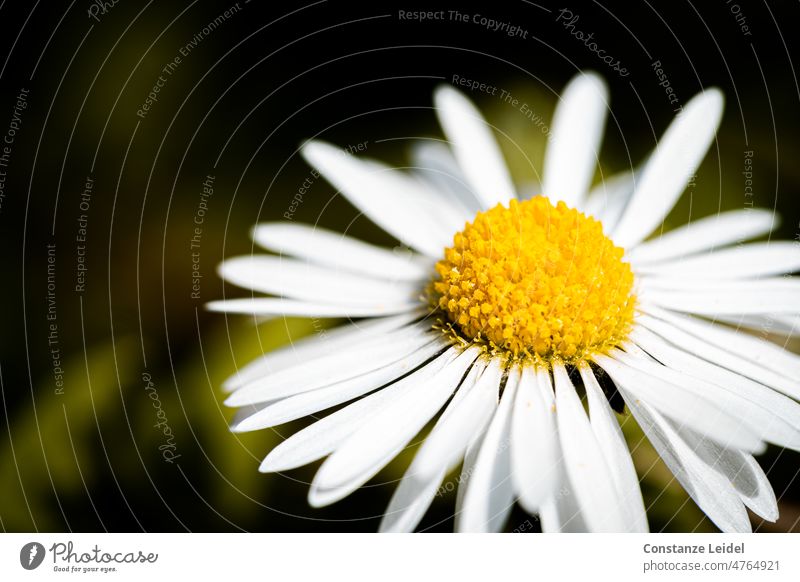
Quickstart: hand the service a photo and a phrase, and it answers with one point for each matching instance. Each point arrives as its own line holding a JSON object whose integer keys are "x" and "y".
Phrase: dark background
{"x": 237, "y": 107}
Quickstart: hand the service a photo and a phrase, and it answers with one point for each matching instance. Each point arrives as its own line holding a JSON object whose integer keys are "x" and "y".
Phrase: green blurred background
{"x": 253, "y": 81}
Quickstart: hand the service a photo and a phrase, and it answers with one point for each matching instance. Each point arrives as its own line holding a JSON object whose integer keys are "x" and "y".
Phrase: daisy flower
{"x": 513, "y": 320}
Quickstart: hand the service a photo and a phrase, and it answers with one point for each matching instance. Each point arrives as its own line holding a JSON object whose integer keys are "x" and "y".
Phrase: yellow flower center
{"x": 536, "y": 281}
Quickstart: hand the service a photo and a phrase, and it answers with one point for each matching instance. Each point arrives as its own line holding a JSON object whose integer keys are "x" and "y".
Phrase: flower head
{"x": 508, "y": 310}
{"x": 538, "y": 282}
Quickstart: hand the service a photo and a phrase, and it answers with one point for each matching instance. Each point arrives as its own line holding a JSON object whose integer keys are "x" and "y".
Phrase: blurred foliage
{"x": 54, "y": 444}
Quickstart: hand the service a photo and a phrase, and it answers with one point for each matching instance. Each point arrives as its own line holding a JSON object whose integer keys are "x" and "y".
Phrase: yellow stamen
{"x": 536, "y": 281}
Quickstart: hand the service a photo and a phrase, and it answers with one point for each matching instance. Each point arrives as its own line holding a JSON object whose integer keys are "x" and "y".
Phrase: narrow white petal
{"x": 410, "y": 501}
{"x": 310, "y": 347}
{"x": 467, "y": 469}
{"x": 782, "y": 324}
{"x": 741, "y": 469}
{"x": 577, "y": 130}
{"x": 720, "y": 347}
{"x": 489, "y": 493}
{"x": 436, "y": 162}
{"x": 534, "y": 440}
{"x": 711, "y": 232}
{"x": 529, "y": 189}
{"x": 448, "y": 212}
{"x": 320, "y": 496}
{"x": 447, "y": 443}
{"x": 779, "y": 325}
{"x": 591, "y": 479}
{"x": 304, "y": 281}
{"x": 770, "y": 415}
{"x": 675, "y": 160}
{"x": 708, "y": 297}
{"x": 321, "y": 438}
{"x": 416, "y": 491}
{"x": 790, "y": 324}
{"x": 247, "y": 411}
{"x": 752, "y": 260}
{"x": 327, "y": 434}
{"x": 389, "y": 430}
{"x": 385, "y": 196}
{"x": 291, "y": 307}
{"x": 561, "y": 513}
{"x": 332, "y": 368}
{"x": 475, "y": 148}
{"x": 303, "y": 404}
{"x": 339, "y": 251}
{"x": 712, "y": 492}
{"x": 660, "y": 388}
{"x": 616, "y": 453}
{"x": 748, "y": 347}
{"x": 607, "y": 201}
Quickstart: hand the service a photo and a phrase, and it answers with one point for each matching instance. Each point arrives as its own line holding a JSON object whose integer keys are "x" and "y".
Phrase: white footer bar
{"x": 356, "y": 557}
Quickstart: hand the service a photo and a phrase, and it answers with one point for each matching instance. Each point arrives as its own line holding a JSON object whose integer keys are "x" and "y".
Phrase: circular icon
{"x": 31, "y": 555}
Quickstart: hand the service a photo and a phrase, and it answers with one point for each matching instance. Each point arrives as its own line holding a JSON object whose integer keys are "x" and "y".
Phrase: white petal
{"x": 446, "y": 444}
{"x": 319, "y": 496}
{"x": 324, "y": 342}
{"x": 474, "y": 147}
{"x": 332, "y": 368}
{"x": 561, "y": 513}
{"x": 707, "y": 233}
{"x": 607, "y": 201}
{"x": 435, "y": 161}
{"x": 740, "y": 469}
{"x": 467, "y": 469}
{"x": 529, "y": 189}
{"x": 339, "y": 251}
{"x": 753, "y": 260}
{"x": 390, "y": 201}
{"x": 713, "y": 493}
{"x": 708, "y": 297}
{"x": 388, "y": 431}
{"x": 573, "y": 149}
{"x": 675, "y": 160}
{"x": 307, "y": 282}
{"x": 755, "y": 349}
{"x": 449, "y": 213}
{"x": 585, "y": 463}
{"x": 410, "y": 501}
{"x": 300, "y": 405}
{"x": 489, "y": 493}
{"x": 781, "y": 324}
{"x": 719, "y": 346}
{"x": 616, "y": 453}
{"x": 290, "y": 307}
{"x": 416, "y": 491}
{"x": 657, "y": 385}
{"x": 778, "y": 325}
{"x": 770, "y": 415}
{"x": 534, "y": 440}
{"x": 327, "y": 434}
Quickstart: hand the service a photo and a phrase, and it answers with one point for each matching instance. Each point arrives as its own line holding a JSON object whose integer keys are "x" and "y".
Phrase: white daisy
{"x": 504, "y": 305}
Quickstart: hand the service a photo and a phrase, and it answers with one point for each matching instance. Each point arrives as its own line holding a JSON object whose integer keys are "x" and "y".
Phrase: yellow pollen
{"x": 536, "y": 281}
